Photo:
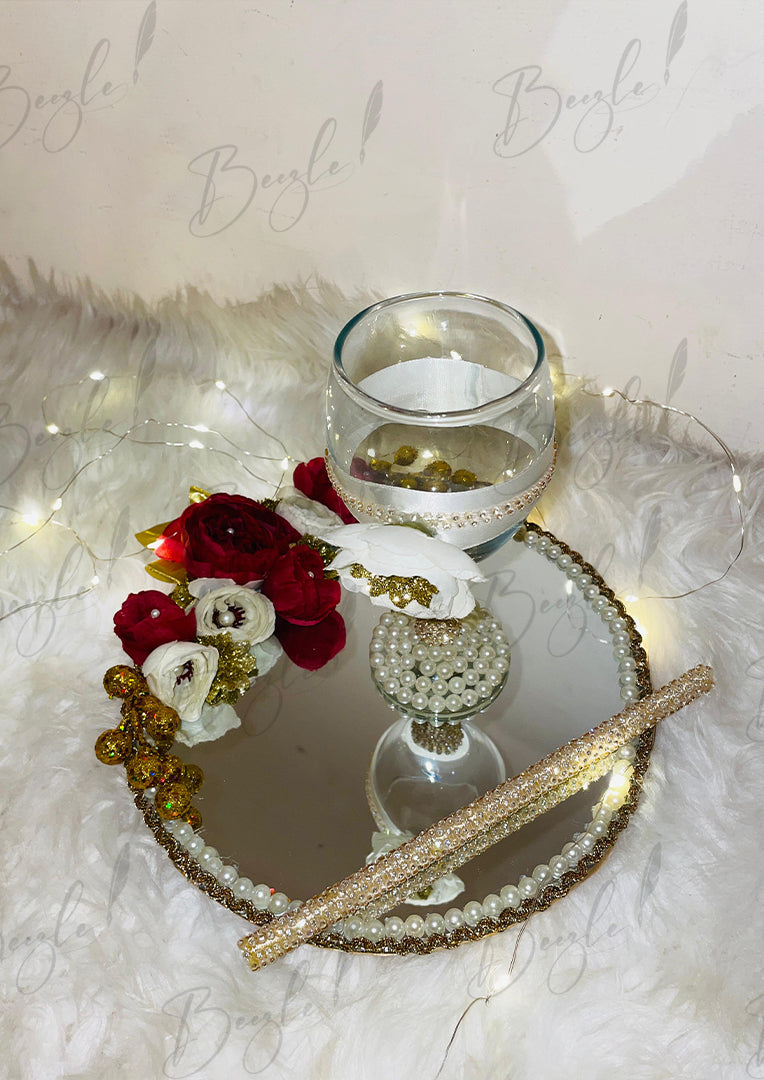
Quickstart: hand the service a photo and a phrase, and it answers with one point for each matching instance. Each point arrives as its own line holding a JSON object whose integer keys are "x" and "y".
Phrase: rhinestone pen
{"x": 467, "y": 832}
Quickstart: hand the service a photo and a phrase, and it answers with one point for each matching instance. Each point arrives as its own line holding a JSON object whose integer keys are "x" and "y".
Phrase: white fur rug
{"x": 111, "y": 965}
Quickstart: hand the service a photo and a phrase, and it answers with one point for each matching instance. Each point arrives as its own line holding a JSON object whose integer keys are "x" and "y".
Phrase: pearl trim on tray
{"x": 202, "y": 864}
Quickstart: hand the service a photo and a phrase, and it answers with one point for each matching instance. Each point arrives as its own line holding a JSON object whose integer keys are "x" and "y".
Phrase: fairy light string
{"x": 736, "y": 482}
{"x": 243, "y": 457}
{"x": 236, "y": 453}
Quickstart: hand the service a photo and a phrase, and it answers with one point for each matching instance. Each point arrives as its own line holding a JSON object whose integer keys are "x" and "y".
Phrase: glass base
{"x": 482, "y": 551}
{"x": 419, "y": 773}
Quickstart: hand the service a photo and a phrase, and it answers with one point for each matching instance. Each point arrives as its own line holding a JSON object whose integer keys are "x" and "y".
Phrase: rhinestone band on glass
{"x": 388, "y": 515}
{"x": 202, "y": 865}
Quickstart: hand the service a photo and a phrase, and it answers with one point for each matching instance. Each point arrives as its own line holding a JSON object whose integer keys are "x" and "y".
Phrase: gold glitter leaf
{"x": 197, "y": 494}
{"x": 401, "y": 590}
{"x": 181, "y": 596}
{"x": 236, "y": 667}
{"x": 315, "y": 543}
{"x": 164, "y": 570}
{"x": 150, "y": 536}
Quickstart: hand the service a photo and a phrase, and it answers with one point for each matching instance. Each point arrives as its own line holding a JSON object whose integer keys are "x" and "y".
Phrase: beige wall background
{"x": 595, "y": 163}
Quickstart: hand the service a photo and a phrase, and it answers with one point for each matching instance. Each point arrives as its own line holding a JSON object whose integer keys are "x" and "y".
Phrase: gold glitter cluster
{"x": 445, "y": 631}
{"x": 142, "y": 742}
{"x": 325, "y": 550}
{"x": 461, "y": 836}
{"x": 236, "y": 666}
{"x": 437, "y": 475}
{"x": 436, "y": 631}
{"x": 443, "y": 739}
{"x": 401, "y": 590}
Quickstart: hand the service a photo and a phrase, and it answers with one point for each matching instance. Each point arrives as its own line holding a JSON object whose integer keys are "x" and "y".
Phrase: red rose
{"x": 297, "y": 588}
{"x": 311, "y": 647}
{"x": 312, "y": 479}
{"x": 149, "y": 619}
{"x": 362, "y": 470}
{"x": 227, "y": 536}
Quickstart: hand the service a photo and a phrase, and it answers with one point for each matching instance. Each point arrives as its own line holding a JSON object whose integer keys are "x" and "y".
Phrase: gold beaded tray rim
{"x": 548, "y": 893}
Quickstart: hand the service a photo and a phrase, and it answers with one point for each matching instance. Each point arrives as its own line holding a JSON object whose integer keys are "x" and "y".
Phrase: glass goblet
{"x": 440, "y": 410}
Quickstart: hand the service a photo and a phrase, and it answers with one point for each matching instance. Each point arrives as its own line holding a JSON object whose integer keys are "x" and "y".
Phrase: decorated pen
{"x": 461, "y": 836}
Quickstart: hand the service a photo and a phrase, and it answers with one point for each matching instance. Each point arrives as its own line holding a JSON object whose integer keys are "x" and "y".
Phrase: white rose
{"x": 266, "y": 653}
{"x": 180, "y": 674}
{"x": 400, "y": 551}
{"x": 304, "y": 514}
{"x": 242, "y": 613}
{"x": 214, "y": 721}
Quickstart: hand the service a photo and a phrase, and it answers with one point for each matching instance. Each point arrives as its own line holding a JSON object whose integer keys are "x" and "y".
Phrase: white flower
{"x": 266, "y": 653}
{"x": 242, "y": 613}
{"x": 180, "y": 674}
{"x": 400, "y": 551}
{"x": 304, "y": 514}
{"x": 214, "y": 721}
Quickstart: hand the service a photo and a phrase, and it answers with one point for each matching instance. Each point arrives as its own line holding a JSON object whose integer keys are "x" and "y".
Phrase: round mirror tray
{"x": 285, "y": 795}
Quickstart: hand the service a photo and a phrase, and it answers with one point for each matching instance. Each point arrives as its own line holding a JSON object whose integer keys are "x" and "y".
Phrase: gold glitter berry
{"x": 173, "y": 802}
{"x": 170, "y": 770}
{"x": 123, "y": 681}
{"x": 113, "y": 747}
{"x": 161, "y": 724}
{"x": 143, "y": 769}
{"x": 192, "y": 777}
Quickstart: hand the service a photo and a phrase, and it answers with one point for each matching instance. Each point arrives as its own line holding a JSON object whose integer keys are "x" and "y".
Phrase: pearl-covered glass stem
{"x": 437, "y": 674}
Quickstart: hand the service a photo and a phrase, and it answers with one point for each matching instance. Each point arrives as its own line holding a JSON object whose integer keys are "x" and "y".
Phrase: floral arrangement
{"x": 248, "y": 586}
{"x": 252, "y": 580}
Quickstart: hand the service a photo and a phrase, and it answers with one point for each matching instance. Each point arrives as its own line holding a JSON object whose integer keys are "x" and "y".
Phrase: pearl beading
{"x": 445, "y": 682}
{"x": 515, "y": 902}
